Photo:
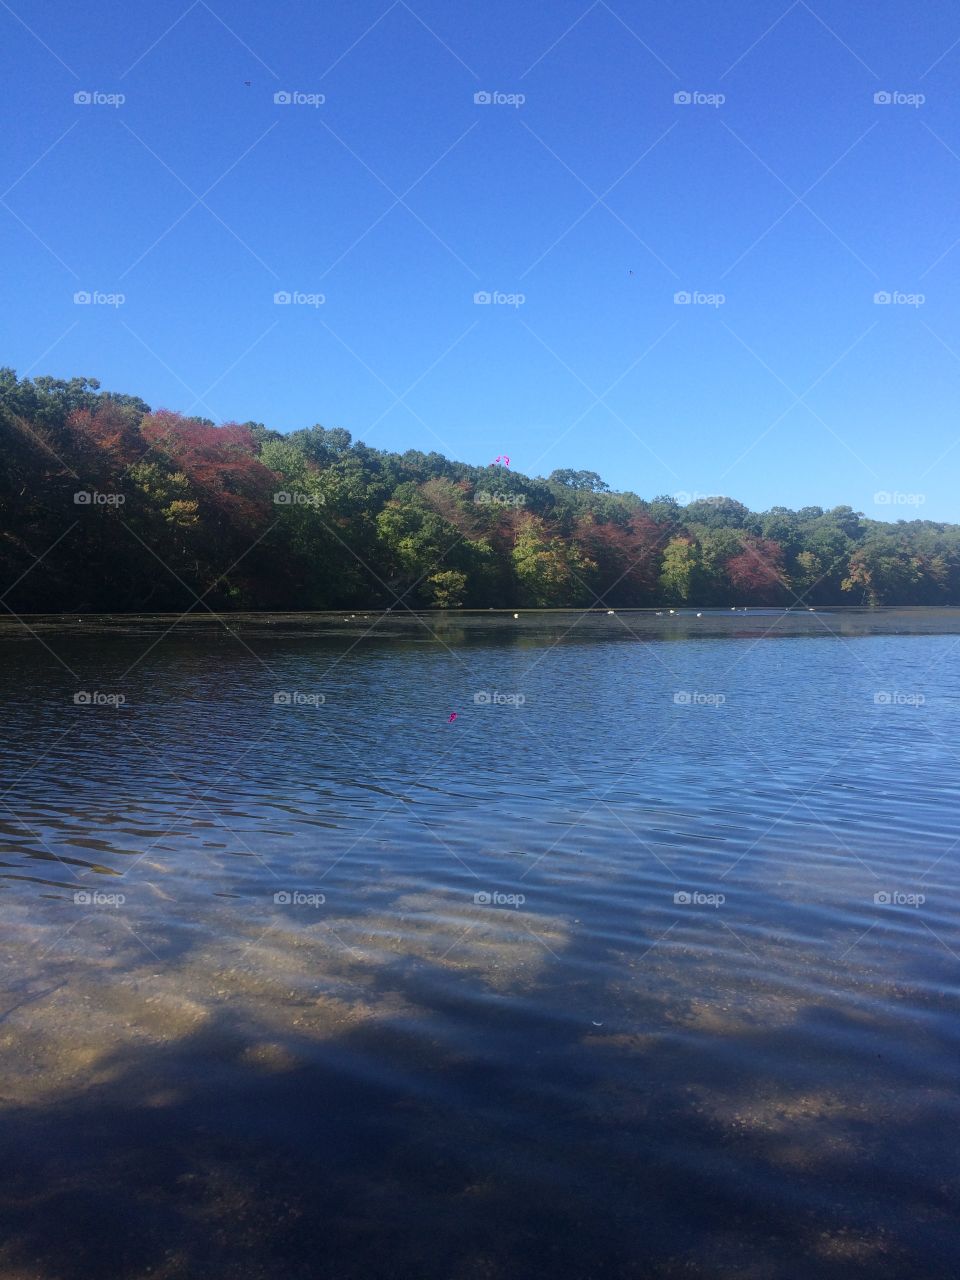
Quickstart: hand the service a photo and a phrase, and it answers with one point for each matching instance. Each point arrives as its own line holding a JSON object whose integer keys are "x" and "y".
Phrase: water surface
{"x": 645, "y": 964}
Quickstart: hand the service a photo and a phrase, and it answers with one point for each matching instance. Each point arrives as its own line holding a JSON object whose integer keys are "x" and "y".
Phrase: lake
{"x": 647, "y": 963}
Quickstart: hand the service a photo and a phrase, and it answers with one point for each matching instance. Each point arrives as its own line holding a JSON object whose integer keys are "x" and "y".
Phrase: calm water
{"x": 592, "y": 981}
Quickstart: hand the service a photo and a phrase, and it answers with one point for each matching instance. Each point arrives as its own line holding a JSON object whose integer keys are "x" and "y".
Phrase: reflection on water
{"x": 645, "y": 965}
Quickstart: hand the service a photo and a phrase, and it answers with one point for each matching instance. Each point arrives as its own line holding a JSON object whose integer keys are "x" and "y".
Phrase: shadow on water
{"x": 539, "y": 1146}
{"x": 31, "y": 999}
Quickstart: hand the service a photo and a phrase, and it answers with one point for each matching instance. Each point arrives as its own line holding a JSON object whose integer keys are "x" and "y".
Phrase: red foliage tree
{"x": 627, "y": 556}
{"x": 756, "y": 572}
{"x": 106, "y": 433}
{"x": 220, "y": 463}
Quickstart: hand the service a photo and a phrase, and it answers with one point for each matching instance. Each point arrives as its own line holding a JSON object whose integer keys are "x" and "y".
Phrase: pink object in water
{"x": 453, "y": 716}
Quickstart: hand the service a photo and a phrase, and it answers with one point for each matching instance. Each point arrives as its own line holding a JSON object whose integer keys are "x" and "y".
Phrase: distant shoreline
{"x": 443, "y": 625}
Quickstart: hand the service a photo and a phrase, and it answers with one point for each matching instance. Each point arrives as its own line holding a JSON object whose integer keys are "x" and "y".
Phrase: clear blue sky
{"x": 798, "y": 199}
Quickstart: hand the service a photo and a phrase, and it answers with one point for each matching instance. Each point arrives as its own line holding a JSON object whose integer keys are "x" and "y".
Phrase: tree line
{"x": 108, "y": 505}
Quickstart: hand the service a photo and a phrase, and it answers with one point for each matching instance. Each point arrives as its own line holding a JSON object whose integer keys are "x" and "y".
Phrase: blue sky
{"x": 797, "y": 199}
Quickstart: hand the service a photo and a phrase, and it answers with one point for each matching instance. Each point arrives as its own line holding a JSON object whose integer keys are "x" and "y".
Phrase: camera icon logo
{"x": 481, "y": 699}
{"x": 482, "y": 298}
{"x": 283, "y": 97}
{"x": 282, "y": 699}
{"x": 82, "y": 898}
{"x": 283, "y": 498}
{"x": 882, "y": 298}
{"x": 681, "y": 298}
{"x": 682, "y": 698}
{"x": 882, "y": 898}
{"x": 83, "y": 98}
{"x": 883, "y": 98}
{"x": 482, "y": 899}
{"x": 282, "y": 298}
{"x": 82, "y": 298}
{"x": 483, "y": 98}
{"x": 282, "y": 898}
{"x": 82, "y": 499}
{"x": 82, "y": 699}
{"x": 682, "y": 898}
{"x": 882, "y": 699}
{"x": 683, "y": 98}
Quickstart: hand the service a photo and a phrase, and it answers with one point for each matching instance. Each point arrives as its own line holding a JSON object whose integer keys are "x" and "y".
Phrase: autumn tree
{"x": 550, "y": 572}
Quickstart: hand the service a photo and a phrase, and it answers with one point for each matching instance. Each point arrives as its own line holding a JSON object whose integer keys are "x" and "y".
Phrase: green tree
{"x": 448, "y": 588}
{"x": 583, "y": 481}
{"x": 681, "y": 570}
{"x": 550, "y": 573}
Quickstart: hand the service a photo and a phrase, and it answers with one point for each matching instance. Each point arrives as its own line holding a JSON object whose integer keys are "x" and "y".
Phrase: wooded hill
{"x": 106, "y": 505}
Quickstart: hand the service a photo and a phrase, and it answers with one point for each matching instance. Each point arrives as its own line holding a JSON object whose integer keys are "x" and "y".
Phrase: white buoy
{"x": 609, "y": 611}
{"x": 699, "y": 615}
{"x": 516, "y": 615}
{"x": 673, "y": 611}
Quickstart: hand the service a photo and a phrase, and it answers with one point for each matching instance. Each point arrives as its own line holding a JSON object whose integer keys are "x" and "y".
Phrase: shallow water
{"x": 645, "y": 964}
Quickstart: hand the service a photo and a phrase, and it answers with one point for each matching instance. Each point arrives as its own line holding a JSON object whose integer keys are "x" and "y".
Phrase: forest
{"x": 107, "y": 505}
